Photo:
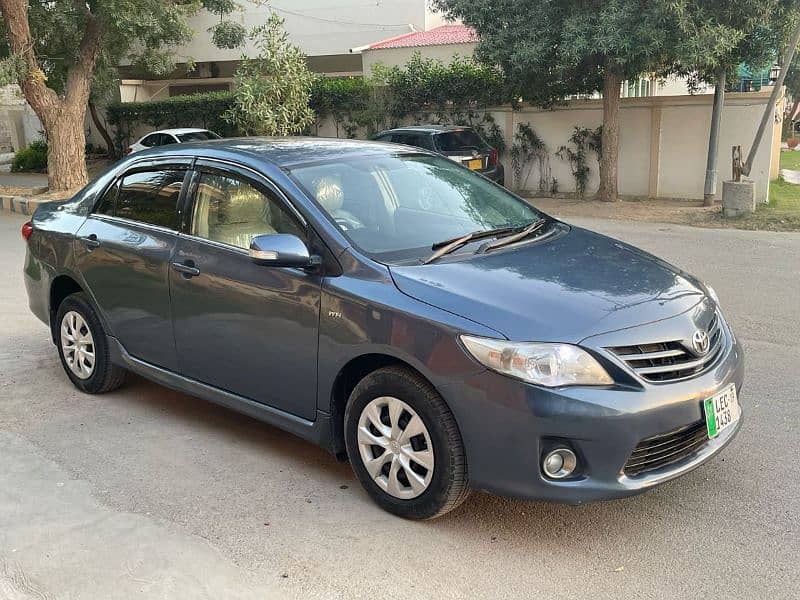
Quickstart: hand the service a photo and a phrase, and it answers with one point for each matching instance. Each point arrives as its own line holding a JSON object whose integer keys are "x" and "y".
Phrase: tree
{"x": 273, "y": 89}
{"x": 54, "y": 50}
{"x": 792, "y": 83}
{"x": 715, "y": 38}
{"x": 550, "y": 50}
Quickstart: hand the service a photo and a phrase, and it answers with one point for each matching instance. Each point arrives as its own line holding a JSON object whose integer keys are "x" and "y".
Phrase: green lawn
{"x": 782, "y": 213}
{"x": 790, "y": 160}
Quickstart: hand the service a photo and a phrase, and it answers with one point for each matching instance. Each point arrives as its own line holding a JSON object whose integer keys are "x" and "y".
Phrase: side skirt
{"x": 317, "y": 431}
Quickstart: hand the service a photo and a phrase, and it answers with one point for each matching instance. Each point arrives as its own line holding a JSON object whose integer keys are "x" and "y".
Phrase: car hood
{"x": 573, "y": 285}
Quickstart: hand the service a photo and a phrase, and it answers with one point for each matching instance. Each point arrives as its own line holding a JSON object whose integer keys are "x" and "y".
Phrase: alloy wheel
{"x": 77, "y": 345}
{"x": 395, "y": 447}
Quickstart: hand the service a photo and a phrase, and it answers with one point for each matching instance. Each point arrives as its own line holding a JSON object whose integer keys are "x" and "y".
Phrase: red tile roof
{"x": 438, "y": 36}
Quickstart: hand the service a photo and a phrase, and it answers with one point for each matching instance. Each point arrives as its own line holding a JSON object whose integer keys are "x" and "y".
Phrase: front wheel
{"x": 83, "y": 347}
{"x": 404, "y": 445}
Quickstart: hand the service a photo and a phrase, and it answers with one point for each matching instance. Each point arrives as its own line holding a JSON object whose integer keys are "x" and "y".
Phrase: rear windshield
{"x": 463, "y": 139}
{"x": 198, "y": 136}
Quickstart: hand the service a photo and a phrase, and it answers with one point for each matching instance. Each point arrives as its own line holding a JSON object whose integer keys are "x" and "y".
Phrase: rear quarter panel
{"x": 50, "y": 253}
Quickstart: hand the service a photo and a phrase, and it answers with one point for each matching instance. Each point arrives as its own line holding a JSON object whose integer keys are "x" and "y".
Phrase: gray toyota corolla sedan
{"x": 396, "y": 308}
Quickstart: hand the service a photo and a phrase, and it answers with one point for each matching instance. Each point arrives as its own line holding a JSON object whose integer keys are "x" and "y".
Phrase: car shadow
{"x": 494, "y": 519}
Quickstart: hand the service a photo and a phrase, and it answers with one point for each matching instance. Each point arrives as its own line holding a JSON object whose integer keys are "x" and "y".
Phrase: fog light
{"x": 559, "y": 463}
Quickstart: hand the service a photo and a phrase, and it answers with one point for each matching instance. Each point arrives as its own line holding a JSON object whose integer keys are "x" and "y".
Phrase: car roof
{"x": 429, "y": 128}
{"x": 283, "y": 152}
{"x": 179, "y": 130}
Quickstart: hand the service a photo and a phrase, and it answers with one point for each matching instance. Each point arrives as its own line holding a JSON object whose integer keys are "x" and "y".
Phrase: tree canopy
{"x": 550, "y": 50}
{"x": 719, "y": 36}
{"x": 61, "y": 51}
{"x": 553, "y": 49}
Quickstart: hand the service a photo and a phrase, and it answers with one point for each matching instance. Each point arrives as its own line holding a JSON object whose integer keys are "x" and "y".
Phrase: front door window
{"x": 231, "y": 211}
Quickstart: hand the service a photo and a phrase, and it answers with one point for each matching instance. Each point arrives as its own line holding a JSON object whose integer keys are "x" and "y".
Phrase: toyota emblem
{"x": 701, "y": 342}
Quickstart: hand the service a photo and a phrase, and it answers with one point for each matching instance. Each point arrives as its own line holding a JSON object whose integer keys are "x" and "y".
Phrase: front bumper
{"x": 507, "y": 426}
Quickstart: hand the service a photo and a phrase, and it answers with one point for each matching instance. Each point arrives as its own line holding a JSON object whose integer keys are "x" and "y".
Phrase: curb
{"x": 20, "y": 204}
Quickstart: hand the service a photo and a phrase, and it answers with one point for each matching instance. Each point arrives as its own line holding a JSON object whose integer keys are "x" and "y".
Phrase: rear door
{"x": 242, "y": 327}
{"x": 123, "y": 251}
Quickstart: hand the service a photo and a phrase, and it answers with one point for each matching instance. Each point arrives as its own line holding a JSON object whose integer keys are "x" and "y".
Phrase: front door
{"x": 239, "y": 326}
{"x": 123, "y": 251}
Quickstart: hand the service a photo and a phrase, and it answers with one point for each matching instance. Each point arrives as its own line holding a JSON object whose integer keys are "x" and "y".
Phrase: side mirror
{"x": 281, "y": 250}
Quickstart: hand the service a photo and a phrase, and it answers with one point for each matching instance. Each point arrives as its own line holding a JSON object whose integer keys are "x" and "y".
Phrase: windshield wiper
{"x": 520, "y": 235}
{"x": 448, "y": 246}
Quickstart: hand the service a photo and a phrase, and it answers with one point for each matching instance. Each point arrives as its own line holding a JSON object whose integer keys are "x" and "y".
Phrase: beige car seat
{"x": 329, "y": 193}
{"x": 233, "y": 216}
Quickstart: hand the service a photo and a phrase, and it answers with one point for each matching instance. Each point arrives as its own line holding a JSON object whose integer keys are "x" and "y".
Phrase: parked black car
{"x": 461, "y": 144}
{"x": 396, "y": 308}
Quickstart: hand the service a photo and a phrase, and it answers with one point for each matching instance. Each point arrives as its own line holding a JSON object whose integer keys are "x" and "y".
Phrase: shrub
{"x": 31, "y": 159}
{"x": 272, "y": 90}
{"x": 195, "y": 110}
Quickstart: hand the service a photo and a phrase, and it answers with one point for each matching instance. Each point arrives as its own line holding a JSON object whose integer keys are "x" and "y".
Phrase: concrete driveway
{"x": 148, "y": 493}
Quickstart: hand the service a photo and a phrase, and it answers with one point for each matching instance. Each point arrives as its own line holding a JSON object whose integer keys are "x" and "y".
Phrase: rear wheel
{"x": 404, "y": 445}
{"x": 83, "y": 347}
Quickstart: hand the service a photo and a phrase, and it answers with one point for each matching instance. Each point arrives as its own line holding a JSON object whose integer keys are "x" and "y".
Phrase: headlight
{"x": 550, "y": 365}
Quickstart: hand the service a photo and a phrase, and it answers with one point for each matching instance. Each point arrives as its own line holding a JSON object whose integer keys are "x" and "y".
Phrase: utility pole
{"x": 769, "y": 110}
{"x": 713, "y": 140}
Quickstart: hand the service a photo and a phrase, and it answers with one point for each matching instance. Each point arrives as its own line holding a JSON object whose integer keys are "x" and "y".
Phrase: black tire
{"x": 448, "y": 486}
{"x": 106, "y": 376}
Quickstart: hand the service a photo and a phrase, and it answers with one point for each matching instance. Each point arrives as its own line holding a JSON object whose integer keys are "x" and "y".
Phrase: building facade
{"x": 330, "y": 32}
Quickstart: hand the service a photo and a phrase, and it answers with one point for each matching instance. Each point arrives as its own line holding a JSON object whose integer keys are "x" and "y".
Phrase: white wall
{"x": 318, "y": 27}
{"x": 663, "y": 142}
{"x": 392, "y": 57}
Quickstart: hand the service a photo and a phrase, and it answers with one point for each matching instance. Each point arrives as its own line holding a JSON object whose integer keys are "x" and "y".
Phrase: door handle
{"x": 91, "y": 242}
{"x": 187, "y": 270}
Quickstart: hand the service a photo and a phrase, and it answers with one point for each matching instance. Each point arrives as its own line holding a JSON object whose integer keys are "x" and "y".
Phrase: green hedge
{"x": 425, "y": 90}
{"x": 196, "y": 110}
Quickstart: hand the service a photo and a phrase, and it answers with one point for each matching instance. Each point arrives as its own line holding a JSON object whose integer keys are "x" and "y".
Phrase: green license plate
{"x": 721, "y": 411}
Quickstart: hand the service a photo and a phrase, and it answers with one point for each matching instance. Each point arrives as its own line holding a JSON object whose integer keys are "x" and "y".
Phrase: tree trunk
{"x": 710, "y": 188}
{"x": 66, "y": 151}
{"x": 110, "y": 147}
{"x": 62, "y": 119}
{"x": 609, "y": 156}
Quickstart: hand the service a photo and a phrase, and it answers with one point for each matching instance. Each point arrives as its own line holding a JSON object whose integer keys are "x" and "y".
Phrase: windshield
{"x": 397, "y": 207}
{"x": 198, "y": 136}
{"x": 463, "y": 139}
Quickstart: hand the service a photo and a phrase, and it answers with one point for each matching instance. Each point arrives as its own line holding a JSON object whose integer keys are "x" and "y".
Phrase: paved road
{"x": 31, "y": 180}
{"x": 148, "y": 493}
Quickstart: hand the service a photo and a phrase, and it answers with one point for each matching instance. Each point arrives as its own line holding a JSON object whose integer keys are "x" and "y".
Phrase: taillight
{"x": 494, "y": 157}
{"x": 27, "y": 230}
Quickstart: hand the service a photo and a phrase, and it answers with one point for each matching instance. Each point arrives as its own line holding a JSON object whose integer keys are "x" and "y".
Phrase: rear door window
{"x": 151, "y": 197}
{"x": 198, "y": 136}
{"x": 151, "y": 140}
{"x": 106, "y": 204}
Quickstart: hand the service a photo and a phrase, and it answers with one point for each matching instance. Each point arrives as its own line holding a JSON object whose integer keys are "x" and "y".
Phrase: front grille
{"x": 661, "y": 450}
{"x": 671, "y": 361}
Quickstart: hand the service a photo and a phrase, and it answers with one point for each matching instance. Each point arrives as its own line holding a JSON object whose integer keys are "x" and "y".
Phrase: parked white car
{"x": 172, "y": 136}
